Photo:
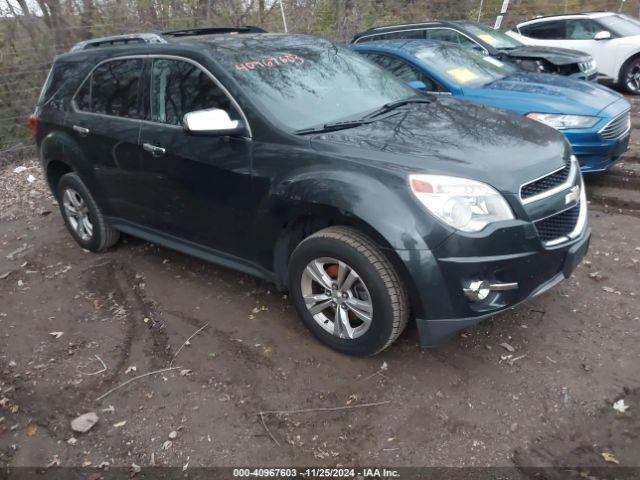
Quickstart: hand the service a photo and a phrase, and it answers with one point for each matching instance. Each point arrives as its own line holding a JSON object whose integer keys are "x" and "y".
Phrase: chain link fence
{"x": 29, "y": 42}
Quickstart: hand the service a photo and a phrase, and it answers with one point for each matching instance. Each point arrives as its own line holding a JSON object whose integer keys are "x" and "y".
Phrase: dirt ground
{"x": 75, "y": 325}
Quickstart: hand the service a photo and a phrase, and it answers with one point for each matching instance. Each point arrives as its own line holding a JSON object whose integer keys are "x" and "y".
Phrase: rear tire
{"x": 347, "y": 292}
{"x": 81, "y": 215}
{"x": 630, "y": 76}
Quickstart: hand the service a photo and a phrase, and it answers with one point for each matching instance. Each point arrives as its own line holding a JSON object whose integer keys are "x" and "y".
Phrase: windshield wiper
{"x": 330, "y": 127}
{"x": 387, "y": 107}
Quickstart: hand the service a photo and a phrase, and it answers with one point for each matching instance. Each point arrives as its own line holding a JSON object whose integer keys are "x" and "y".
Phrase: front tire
{"x": 347, "y": 292}
{"x": 82, "y": 216}
{"x": 630, "y": 77}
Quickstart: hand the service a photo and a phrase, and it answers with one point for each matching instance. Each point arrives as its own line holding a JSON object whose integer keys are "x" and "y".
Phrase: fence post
{"x": 480, "y": 9}
{"x": 621, "y": 5}
{"x": 499, "y": 18}
{"x": 284, "y": 19}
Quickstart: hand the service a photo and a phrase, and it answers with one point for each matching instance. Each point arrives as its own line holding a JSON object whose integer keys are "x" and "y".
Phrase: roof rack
{"x": 118, "y": 40}
{"x": 213, "y": 30}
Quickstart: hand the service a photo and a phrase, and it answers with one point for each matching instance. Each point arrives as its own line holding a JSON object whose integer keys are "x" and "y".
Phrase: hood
{"x": 556, "y": 56}
{"x": 531, "y": 92}
{"x": 451, "y": 137}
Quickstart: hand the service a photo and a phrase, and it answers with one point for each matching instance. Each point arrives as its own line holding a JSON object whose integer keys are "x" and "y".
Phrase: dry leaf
{"x": 120, "y": 424}
{"x": 32, "y": 428}
{"x": 610, "y": 457}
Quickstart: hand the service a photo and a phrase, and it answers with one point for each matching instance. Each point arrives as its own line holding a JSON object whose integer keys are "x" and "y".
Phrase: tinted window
{"x": 304, "y": 82}
{"x": 448, "y": 35}
{"x": 545, "y": 30}
{"x": 493, "y": 37}
{"x": 404, "y": 71}
{"x": 180, "y": 87}
{"x": 112, "y": 89}
{"x": 409, "y": 34}
{"x": 399, "y": 68}
{"x": 582, "y": 29}
{"x": 59, "y": 80}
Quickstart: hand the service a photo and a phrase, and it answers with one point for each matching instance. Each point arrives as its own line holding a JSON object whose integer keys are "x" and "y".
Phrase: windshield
{"x": 493, "y": 37}
{"x": 620, "y": 26}
{"x": 305, "y": 82}
{"x": 465, "y": 68}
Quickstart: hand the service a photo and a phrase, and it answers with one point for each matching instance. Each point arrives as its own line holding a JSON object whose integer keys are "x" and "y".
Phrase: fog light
{"x": 477, "y": 290}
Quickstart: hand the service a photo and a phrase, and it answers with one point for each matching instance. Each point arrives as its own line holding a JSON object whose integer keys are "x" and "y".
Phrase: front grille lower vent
{"x": 617, "y": 127}
{"x": 558, "y": 225}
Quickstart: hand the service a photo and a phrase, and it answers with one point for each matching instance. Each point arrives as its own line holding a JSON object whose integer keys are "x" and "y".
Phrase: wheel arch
{"x": 633, "y": 56}
{"x": 302, "y": 226}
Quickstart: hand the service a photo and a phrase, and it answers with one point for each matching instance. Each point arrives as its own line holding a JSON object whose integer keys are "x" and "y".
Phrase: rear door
{"x": 105, "y": 122}
{"x": 197, "y": 187}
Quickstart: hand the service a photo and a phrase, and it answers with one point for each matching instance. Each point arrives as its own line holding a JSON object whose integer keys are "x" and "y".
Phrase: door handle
{"x": 81, "y": 130}
{"x": 154, "y": 149}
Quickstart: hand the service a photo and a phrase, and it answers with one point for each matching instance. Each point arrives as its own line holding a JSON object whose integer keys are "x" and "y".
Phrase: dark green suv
{"x": 295, "y": 160}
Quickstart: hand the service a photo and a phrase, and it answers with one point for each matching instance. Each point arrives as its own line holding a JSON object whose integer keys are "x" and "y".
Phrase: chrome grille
{"x": 558, "y": 225}
{"x": 617, "y": 127}
{"x": 587, "y": 67}
{"x": 543, "y": 184}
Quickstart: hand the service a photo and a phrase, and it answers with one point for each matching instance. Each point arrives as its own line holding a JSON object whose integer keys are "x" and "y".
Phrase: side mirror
{"x": 603, "y": 35}
{"x": 213, "y": 121}
{"x": 418, "y": 85}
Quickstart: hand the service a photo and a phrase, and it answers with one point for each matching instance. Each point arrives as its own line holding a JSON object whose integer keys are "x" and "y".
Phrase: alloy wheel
{"x": 77, "y": 213}
{"x": 633, "y": 78}
{"x": 337, "y": 297}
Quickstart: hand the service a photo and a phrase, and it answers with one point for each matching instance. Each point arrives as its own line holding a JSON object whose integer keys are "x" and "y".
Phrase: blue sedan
{"x": 595, "y": 119}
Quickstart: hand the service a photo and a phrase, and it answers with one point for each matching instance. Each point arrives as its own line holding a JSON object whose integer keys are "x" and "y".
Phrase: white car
{"x": 613, "y": 39}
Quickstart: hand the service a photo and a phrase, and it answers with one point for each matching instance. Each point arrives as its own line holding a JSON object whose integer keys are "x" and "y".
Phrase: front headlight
{"x": 564, "y": 122}
{"x": 462, "y": 203}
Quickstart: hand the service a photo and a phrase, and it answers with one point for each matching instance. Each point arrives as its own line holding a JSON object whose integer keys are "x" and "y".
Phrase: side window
{"x": 404, "y": 71}
{"x": 448, "y": 35}
{"x": 553, "y": 30}
{"x": 582, "y": 29}
{"x": 112, "y": 89}
{"x": 179, "y": 87}
{"x": 406, "y": 34}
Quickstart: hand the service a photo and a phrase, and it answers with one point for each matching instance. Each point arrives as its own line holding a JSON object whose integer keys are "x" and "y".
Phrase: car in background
{"x": 595, "y": 119}
{"x": 484, "y": 39}
{"x": 613, "y": 39}
{"x": 296, "y": 160}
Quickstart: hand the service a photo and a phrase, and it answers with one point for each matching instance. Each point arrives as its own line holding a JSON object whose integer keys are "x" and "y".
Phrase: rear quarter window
{"x": 58, "y": 85}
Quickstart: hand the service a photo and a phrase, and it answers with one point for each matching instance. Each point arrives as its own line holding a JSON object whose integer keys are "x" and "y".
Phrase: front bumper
{"x": 591, "y": 76}
{"x": 513, "y": 253}
{"x": 536, "y": 272}
{"x": 594, "y": 154}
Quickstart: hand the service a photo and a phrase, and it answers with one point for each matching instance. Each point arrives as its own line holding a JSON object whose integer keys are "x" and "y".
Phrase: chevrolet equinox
{"x": 292, "y": 159}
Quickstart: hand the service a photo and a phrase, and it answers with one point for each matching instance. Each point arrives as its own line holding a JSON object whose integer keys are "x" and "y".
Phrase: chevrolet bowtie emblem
{"x": 573, "y": 195}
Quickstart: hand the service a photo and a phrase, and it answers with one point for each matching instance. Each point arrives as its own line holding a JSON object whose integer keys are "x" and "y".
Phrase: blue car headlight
{"x": 564, "y": 122}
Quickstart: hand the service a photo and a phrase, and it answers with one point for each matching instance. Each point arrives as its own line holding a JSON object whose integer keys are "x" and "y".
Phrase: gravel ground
{"x": 75, "y": 325}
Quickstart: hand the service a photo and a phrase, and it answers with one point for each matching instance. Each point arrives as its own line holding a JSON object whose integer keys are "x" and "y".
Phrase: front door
{"x": 198, "y": 187}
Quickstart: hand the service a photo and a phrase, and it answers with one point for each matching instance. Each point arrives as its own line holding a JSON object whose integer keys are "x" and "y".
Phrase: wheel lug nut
{"x": 344, "y": 294}
{"x": 327, "y": 292}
